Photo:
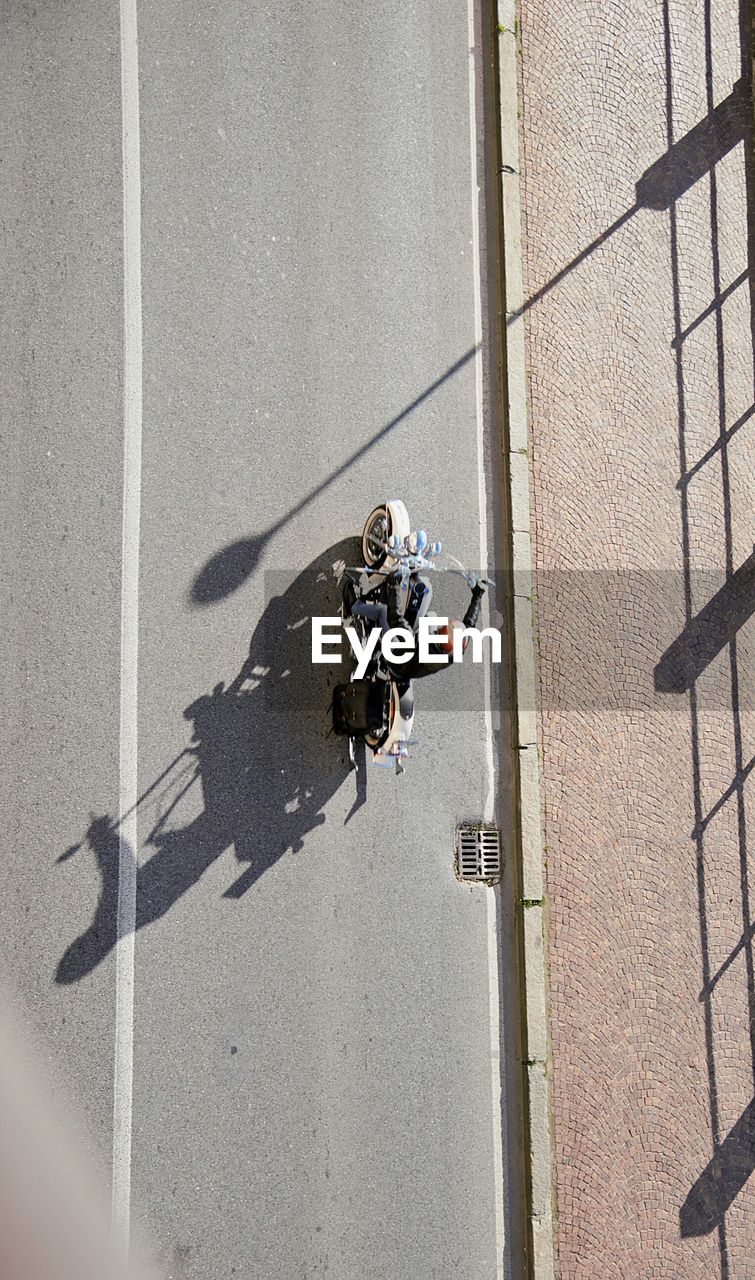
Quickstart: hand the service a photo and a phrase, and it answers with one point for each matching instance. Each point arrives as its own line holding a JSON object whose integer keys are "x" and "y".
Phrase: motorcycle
{"x": 379, "y": 708}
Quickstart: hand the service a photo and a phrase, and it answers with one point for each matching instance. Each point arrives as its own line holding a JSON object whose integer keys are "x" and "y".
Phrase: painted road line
{"x": 489, "y": 806}
{"x": 128, "y": 780}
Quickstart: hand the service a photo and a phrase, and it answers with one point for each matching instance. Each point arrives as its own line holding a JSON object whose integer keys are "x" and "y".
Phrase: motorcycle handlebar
{"x": 413, "y": 563}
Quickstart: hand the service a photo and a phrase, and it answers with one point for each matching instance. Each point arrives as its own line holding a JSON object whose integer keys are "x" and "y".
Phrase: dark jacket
{"x": 414, "y": 669}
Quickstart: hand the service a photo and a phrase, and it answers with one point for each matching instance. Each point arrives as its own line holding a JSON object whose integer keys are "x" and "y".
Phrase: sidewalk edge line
{"x": 529, "y": 837}
{"x": 496, "y": 1079}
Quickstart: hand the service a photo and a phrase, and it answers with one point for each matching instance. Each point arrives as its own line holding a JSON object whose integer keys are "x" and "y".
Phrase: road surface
{"x": 288, "y": 1067}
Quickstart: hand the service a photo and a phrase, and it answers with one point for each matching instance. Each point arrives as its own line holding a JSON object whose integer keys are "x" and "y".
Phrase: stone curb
{"x": 538, "y": 1128}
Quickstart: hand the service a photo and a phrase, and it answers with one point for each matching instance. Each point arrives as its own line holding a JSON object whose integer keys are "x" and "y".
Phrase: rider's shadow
{"x": 263, "y": 760}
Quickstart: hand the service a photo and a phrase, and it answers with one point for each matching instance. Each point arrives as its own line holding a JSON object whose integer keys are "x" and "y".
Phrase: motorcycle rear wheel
{"x": 375, "y": 740}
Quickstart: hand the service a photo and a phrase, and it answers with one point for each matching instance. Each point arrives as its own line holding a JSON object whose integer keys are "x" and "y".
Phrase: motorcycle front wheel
{"x": 374, "y": 537}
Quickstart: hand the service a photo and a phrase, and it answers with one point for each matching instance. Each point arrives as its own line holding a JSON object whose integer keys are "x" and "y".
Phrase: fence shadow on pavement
{"x": 666, "y": 181}
{"x": 261, "y": 755}
{"x": 722, "y": 1179}
{"x": 712, "y": 630}
{"x": 708, "y": 632}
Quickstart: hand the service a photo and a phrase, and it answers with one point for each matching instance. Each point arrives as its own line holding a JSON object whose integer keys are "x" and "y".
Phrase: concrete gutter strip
{"x": 538, "y": 1128}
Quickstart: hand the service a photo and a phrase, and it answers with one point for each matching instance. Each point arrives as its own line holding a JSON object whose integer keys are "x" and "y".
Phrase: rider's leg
{"x": 373, "y": 612}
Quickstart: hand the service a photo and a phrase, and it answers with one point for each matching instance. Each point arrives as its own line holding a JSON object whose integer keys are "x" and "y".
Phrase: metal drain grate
{"x": 478, "y": 853}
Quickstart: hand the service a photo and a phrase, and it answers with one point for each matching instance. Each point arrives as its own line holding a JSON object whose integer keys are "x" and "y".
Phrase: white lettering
{"x": 319, "y": 639}
{"x": 363, "y": 653}
{"x": 398, "y": 645}
{"x": 427, "y": 637}
{"x": 477, "y": 637}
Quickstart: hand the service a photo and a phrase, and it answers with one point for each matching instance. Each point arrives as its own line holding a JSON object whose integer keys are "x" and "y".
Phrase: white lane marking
{"x": 132, "y": 464}
{"x": 489, "y": 805}
{"x": 496, "y": 1079}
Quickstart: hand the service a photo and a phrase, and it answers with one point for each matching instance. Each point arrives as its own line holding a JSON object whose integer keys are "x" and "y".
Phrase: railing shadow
{"x": 713, "y": 630}
{"x": 722, "y": 1179}
{"x": 708, "y": 632}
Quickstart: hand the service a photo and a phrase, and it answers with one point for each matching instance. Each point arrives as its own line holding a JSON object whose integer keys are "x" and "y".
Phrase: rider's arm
{"x": 473, "y": 612}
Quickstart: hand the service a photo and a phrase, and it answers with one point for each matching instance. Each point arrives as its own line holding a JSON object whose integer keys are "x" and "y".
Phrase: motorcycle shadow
{"x": 262, "y": 755}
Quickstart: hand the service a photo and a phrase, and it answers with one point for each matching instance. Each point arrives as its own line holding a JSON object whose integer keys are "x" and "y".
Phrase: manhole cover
{"x": 478, "y": 853}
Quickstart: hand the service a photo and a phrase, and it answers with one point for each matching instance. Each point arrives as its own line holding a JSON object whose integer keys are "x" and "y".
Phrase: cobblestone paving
{"x": 640, "y": 365}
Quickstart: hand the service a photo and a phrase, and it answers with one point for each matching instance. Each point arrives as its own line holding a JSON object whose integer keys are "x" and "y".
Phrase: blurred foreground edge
{"x": 54, "y": 1222}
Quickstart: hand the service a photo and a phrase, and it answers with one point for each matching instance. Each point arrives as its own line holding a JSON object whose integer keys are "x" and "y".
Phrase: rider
{"x": 389, "y": 616}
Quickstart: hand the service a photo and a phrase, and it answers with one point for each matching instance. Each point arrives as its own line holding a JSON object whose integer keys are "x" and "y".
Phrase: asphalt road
{"x": 313, "y": 1049}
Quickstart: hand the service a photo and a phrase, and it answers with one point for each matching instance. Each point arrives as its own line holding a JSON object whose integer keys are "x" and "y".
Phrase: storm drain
{"x": 478, "y": 853}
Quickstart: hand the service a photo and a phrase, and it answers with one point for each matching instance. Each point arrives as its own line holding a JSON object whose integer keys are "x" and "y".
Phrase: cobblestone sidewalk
{"x": 635, "y": 132}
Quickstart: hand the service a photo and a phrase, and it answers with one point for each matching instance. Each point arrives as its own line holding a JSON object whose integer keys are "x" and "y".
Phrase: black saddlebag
{"x": 358, "y": 708}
